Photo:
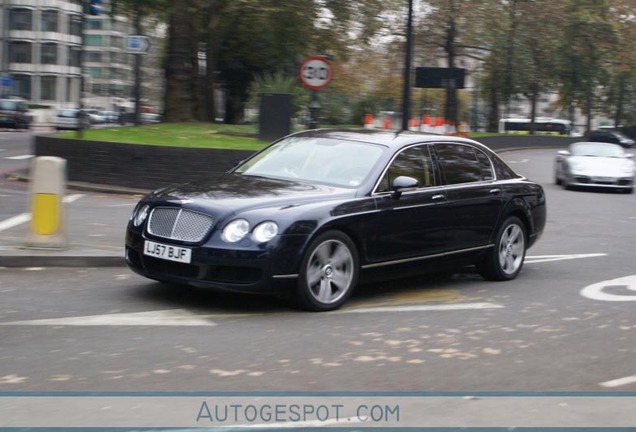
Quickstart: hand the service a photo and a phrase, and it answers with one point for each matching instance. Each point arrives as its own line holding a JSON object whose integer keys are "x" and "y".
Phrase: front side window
{"x": 459, "y": 163}
{"x": 21, "y": 19}
{"x": 415, "y": 162}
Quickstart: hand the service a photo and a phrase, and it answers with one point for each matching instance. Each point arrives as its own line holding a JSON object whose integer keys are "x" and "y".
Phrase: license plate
{"x": 604, "y": 179}
{"x": 167, "y": 252}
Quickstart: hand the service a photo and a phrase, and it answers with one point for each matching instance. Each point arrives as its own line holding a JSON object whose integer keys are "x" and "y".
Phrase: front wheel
{"x": 328, "y": 272}
{"x": 505, "y": 260}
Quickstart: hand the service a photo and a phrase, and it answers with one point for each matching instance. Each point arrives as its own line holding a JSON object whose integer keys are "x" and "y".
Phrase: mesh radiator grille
{"x": 179, "y": 224}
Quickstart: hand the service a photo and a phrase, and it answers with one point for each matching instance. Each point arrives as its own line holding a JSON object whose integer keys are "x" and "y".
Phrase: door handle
{"x": 495, "y": 191}
{"x": 438, "y": 197}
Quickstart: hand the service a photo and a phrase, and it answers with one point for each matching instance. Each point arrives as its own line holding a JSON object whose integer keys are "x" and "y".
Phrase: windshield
{"x": 324, "y": 160}
{"x": 597, "y": 149}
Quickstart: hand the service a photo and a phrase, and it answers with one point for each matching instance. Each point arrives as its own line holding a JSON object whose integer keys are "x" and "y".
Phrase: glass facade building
{"x": 41, "y": 54}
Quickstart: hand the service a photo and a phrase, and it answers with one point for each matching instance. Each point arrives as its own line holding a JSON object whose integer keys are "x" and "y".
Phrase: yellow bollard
{"x": 48, "y": 218}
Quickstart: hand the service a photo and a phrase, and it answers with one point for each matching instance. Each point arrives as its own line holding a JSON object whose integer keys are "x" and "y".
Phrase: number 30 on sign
{"x": 315, "y": 72}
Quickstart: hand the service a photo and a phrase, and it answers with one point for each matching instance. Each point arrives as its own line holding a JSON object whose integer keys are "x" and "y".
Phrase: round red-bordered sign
{"x": 315, "y": 72}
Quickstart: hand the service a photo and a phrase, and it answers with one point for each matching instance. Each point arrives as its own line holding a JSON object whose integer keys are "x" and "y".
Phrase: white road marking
{"x": 20, "y": 157}
{"x": 619, "y": 382}
{"x": 172, "y": 317}
{"x": 550, "y": 258}
{"x": 25, "y": 217}
{"x": 597, "y": 291}
{"x": 421, "y": 308}
{"x": 14, "y": 221}
{"x": 182, "y": 317}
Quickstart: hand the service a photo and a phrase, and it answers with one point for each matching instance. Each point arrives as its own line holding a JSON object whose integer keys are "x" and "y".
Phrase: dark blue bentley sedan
{"x": 315, "y": 212}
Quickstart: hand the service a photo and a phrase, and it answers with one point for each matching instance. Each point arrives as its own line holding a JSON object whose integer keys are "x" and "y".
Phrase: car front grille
{"x": 179, "y": 224}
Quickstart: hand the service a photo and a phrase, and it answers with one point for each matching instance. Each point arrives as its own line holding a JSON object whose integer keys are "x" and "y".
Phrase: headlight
{"x": 236, "y": 230}
{"x": 629, "y": 169}
{"x": 265, "y": 231}
{"x": 140, "y": 215}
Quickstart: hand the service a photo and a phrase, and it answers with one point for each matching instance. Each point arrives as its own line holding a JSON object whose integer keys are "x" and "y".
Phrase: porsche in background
{"x": 595, "y": 164}
{"x": 318, "y": 211}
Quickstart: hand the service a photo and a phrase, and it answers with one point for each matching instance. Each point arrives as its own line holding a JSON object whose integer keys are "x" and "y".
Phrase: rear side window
{"x": 459, "y": 163}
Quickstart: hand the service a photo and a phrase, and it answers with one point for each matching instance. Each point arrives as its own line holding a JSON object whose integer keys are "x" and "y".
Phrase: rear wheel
{"x": 505, "y": 260}
{"x": 328, "y": 272}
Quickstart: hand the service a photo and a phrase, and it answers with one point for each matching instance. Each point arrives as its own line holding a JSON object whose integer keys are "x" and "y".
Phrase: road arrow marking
{"x": 598, "y": 291}
{"x": 172, "y": 317}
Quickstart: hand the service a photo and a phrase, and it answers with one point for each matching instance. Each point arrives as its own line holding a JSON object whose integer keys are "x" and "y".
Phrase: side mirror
{"x": 563, "y": 153}
{"x": 403, "y": 184}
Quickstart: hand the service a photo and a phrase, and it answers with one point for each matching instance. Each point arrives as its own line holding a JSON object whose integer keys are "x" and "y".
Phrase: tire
{"x": 328, "y": 272}
{"x": 505, "y": 260}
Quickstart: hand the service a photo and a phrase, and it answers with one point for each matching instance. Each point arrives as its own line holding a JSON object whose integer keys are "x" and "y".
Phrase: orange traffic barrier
{"x": 413, "y": 123}
{"x": 368, "y": 121}
{"x": 386, "y": 124}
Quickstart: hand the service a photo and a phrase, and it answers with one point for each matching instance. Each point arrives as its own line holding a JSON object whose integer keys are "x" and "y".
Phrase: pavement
{"x": 94, "y": 232}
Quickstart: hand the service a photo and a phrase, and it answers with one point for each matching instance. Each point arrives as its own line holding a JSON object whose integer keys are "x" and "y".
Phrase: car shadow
{"x": 436, "y": 288}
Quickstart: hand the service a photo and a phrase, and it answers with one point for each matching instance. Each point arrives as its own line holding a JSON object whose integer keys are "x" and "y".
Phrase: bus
{"x": 542, "y": 126}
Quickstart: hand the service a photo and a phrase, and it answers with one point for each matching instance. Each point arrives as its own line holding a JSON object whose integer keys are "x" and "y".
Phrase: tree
{"x": 537, "y": 33}
{"x": 586, "y": 47}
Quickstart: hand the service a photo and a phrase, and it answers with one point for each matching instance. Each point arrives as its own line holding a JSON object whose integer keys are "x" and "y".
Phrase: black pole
{"x": 406, "y": 95}
{"x": 137, "y": 90}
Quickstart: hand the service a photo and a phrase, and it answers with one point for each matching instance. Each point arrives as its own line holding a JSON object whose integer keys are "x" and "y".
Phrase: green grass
{"x": 199, "y": 135}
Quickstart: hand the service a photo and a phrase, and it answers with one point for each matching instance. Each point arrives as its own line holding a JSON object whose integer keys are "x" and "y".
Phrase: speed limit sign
{"x": 315, "y": 72}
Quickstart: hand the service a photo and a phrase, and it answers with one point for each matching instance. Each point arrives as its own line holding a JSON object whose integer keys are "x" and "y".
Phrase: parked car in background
{"x": 94, "y": 117}
{"x": 67, "y": 119}
{"x": 611, "y": 136}
{"x": 14, "y": 114}
{"x": 148, "y": 118}
{"x": 595, "y": 164}
{"x": 317, "y": 211}
{"x": 109, "y": 116}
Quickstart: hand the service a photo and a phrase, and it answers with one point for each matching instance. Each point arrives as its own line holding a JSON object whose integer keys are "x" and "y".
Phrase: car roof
{"x": 389, "y": 138}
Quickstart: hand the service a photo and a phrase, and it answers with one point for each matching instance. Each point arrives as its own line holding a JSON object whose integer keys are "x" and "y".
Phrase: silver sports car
{"x": 595, "y": 164}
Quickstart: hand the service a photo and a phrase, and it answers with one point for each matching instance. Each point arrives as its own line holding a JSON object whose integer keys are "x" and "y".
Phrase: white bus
{"x": 542, "y": 126}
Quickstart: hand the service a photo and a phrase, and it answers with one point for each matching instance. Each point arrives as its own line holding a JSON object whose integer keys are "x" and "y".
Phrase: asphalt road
{"x": 107, "y": 329}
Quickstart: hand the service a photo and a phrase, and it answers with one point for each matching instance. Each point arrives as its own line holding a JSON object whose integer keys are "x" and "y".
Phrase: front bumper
{"x": 247, "y": 268}
{"x": 602, "y": 182}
